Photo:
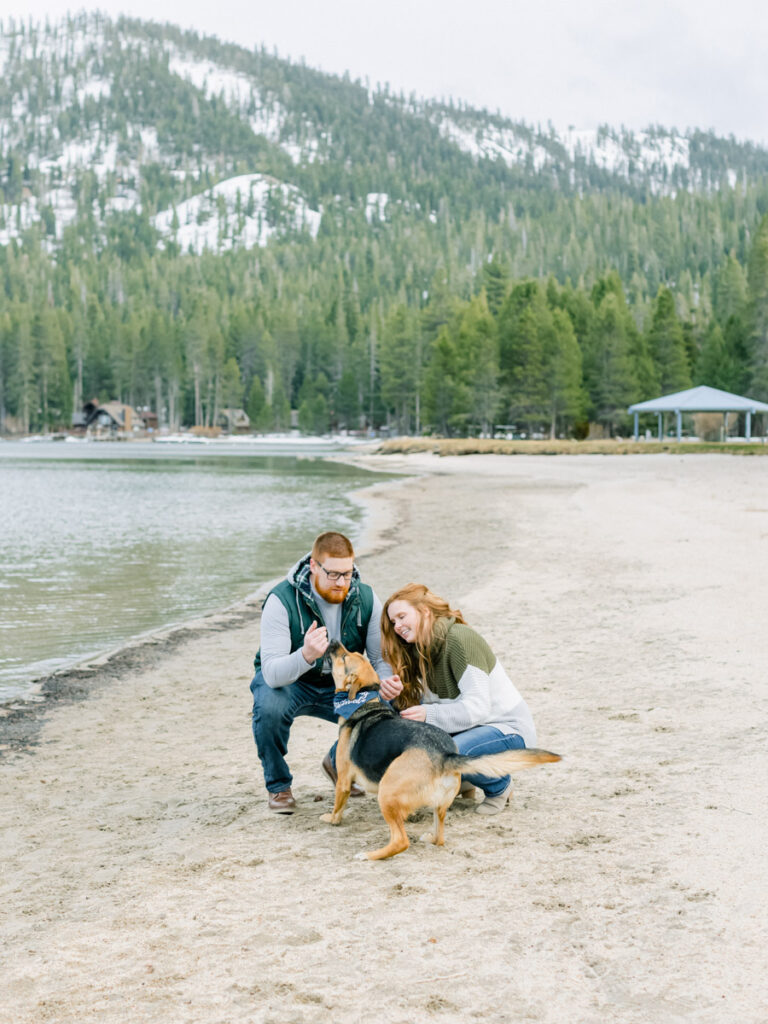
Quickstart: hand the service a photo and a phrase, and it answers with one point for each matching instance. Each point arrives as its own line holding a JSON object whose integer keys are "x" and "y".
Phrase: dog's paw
{"x": 361, "y": 856}
{"x": 427, "y": 837}
{"x": 328, "y": 819}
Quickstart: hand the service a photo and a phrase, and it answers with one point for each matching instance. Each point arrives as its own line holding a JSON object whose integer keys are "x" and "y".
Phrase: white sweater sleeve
{"x": 278, "y": 665}
{"x": 472, "y": 706}
{"x": 373, "y": 642}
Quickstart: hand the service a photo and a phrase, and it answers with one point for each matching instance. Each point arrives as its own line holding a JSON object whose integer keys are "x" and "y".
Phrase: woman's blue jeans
{"x": 273, "y": 715}
{"x": 487, "y": 739}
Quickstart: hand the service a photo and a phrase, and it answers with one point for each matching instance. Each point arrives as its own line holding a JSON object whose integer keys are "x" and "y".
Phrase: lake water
{"x": 103, "y": 542}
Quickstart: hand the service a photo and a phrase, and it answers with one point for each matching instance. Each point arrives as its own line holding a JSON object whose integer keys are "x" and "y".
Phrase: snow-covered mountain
{"x": 218, "y": 147}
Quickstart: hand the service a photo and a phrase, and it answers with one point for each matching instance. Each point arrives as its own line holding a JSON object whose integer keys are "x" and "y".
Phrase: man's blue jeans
{"x": 273, "y": 715}
{"x": 487, "y": 739}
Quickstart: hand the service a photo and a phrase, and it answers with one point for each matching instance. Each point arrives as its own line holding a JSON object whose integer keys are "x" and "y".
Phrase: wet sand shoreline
{"x": 22, "y": 718}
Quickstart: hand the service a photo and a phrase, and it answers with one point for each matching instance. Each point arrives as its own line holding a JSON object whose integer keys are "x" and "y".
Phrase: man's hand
{"x": 418, "y": 713}
{"x": 315, "y": 643}
{"x": 390, "y": 687}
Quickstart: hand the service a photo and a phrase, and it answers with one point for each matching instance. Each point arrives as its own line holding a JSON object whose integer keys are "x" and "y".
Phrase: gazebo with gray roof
{"x": 700, "y": 399}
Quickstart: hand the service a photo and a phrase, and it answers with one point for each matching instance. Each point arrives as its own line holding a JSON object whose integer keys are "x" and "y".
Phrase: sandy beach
{"x": 144, "y": 880}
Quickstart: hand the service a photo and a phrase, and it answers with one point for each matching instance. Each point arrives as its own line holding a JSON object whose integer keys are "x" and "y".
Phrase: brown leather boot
{"x": 330, "y": 771}
{"x": 282, "y": 802}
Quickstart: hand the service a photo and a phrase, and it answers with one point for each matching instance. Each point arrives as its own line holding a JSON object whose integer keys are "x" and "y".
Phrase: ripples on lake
{"x": 104, "y": 542}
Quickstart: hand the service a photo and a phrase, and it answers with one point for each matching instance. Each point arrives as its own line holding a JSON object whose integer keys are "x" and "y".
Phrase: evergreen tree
{"x": 54, "y": 395}
{"x": 715, "y": 368}
{"x": 667, "y": 344}
{"x": 479, "y": 359}
{"x": 279, "y": 409}
{"x": 643, "y": 368}
{"x": 730, "y": 290}
{"x": 738, "y": 346}
{"x": 231, "y": 385}
{"x": 5, "y": 339}
{"x": 348, "y": 400}
{"x": 23, "y": 381}
{"x": 314, "y": 416}
{"x": 758, "y": 311}
{"x": 401, "y": 370}
{"x": 526, "y": 335}
{"x": 495, "y": 280}
{"x": 256, "y": 404}
{"x": 566, "y": 394}
{"x": 612, "y": 378}
{"x": 445, "y": 395}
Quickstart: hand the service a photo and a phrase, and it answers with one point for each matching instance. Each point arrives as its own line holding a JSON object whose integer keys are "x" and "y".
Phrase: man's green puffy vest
{"x": 302, "y": 612}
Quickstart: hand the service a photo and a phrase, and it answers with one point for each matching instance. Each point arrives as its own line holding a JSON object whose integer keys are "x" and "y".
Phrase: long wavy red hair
{"x": 413, "y": 661}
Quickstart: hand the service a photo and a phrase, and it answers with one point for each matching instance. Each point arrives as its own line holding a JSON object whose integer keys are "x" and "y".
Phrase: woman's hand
{"x": 315, "y": 643}
{"x": 391, "y": 687}
{"x": 418, "y": 713}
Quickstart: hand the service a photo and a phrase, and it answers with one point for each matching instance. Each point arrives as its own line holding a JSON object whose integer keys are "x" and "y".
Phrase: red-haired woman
{"x": 447, "y": 675}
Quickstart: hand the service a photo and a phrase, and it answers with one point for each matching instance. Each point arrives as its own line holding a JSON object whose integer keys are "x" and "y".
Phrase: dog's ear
{"x": 353, "y": 684}
{"x": 367, "y": 675}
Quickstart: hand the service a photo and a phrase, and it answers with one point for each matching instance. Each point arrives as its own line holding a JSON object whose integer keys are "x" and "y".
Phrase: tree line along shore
{"x": 530, "y": 356}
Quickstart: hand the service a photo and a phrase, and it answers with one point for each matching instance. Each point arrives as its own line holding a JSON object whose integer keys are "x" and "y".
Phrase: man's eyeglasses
{"x": 334, "y": 576}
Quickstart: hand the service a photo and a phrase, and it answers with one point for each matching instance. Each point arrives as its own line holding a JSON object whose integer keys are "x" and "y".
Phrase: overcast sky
{"x": 679, "y": 63}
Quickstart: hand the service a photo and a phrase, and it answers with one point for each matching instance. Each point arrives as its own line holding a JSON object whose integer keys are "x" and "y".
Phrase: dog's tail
{"x": 497, "y": 765}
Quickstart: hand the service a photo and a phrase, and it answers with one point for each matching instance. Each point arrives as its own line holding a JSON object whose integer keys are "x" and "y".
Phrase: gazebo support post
{"x": 679, "y": 417}
{"x": 660, "y": 416}
{"x": 748, "y": 426}
{"x": 636, "y": 434}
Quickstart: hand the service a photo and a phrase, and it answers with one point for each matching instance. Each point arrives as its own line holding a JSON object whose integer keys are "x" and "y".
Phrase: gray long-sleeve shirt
{"x": 281, "y": 666}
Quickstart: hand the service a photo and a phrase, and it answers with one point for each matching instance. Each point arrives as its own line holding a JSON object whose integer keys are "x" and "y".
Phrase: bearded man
{"x": 321, "y": 599}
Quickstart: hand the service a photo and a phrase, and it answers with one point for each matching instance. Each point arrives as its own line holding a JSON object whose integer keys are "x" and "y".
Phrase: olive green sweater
{"x": 466, "y": 686}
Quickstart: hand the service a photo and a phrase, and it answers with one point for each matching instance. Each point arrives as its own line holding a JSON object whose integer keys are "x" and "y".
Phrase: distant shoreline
{"x": 346, "y": 449}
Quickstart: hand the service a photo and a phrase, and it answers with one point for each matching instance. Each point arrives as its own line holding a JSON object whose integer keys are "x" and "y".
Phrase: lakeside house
{"x": 109, "y": 419}
{"x": 234, "y": 421}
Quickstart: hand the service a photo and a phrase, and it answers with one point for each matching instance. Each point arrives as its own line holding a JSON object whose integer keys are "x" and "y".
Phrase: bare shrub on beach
{"x": 490, "y": 446}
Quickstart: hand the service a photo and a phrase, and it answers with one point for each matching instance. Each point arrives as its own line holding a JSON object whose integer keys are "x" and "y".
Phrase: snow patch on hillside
{"x": 16, "y": 218}
{"x": 376, "y": 206}
{"x": 628, "y": 152}
{"x": 653, "y": 156}
{"x": 238, "y": 91}
{"x": 493, "y": 142}
{"x": 265, "y": 114}
{"x": 71, "y": 42}
{"x": 149, "y": 143}
{"x": 94, "y": 88}
{"x": 243, "y": 211}
{"x": 213, "y": 80}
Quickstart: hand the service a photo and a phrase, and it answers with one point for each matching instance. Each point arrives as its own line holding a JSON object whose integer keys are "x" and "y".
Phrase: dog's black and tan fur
{"x": 412, "y": 764}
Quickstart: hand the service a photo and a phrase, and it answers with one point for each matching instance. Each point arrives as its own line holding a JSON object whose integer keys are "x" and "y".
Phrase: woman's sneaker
{"x": 494, "y": 804}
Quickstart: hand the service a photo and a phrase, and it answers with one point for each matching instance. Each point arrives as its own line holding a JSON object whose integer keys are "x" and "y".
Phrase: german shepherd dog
{"x": 411, "y": 764}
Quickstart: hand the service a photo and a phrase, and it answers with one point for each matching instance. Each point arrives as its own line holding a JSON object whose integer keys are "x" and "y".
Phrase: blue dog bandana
{"x": 344, "y": 707}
